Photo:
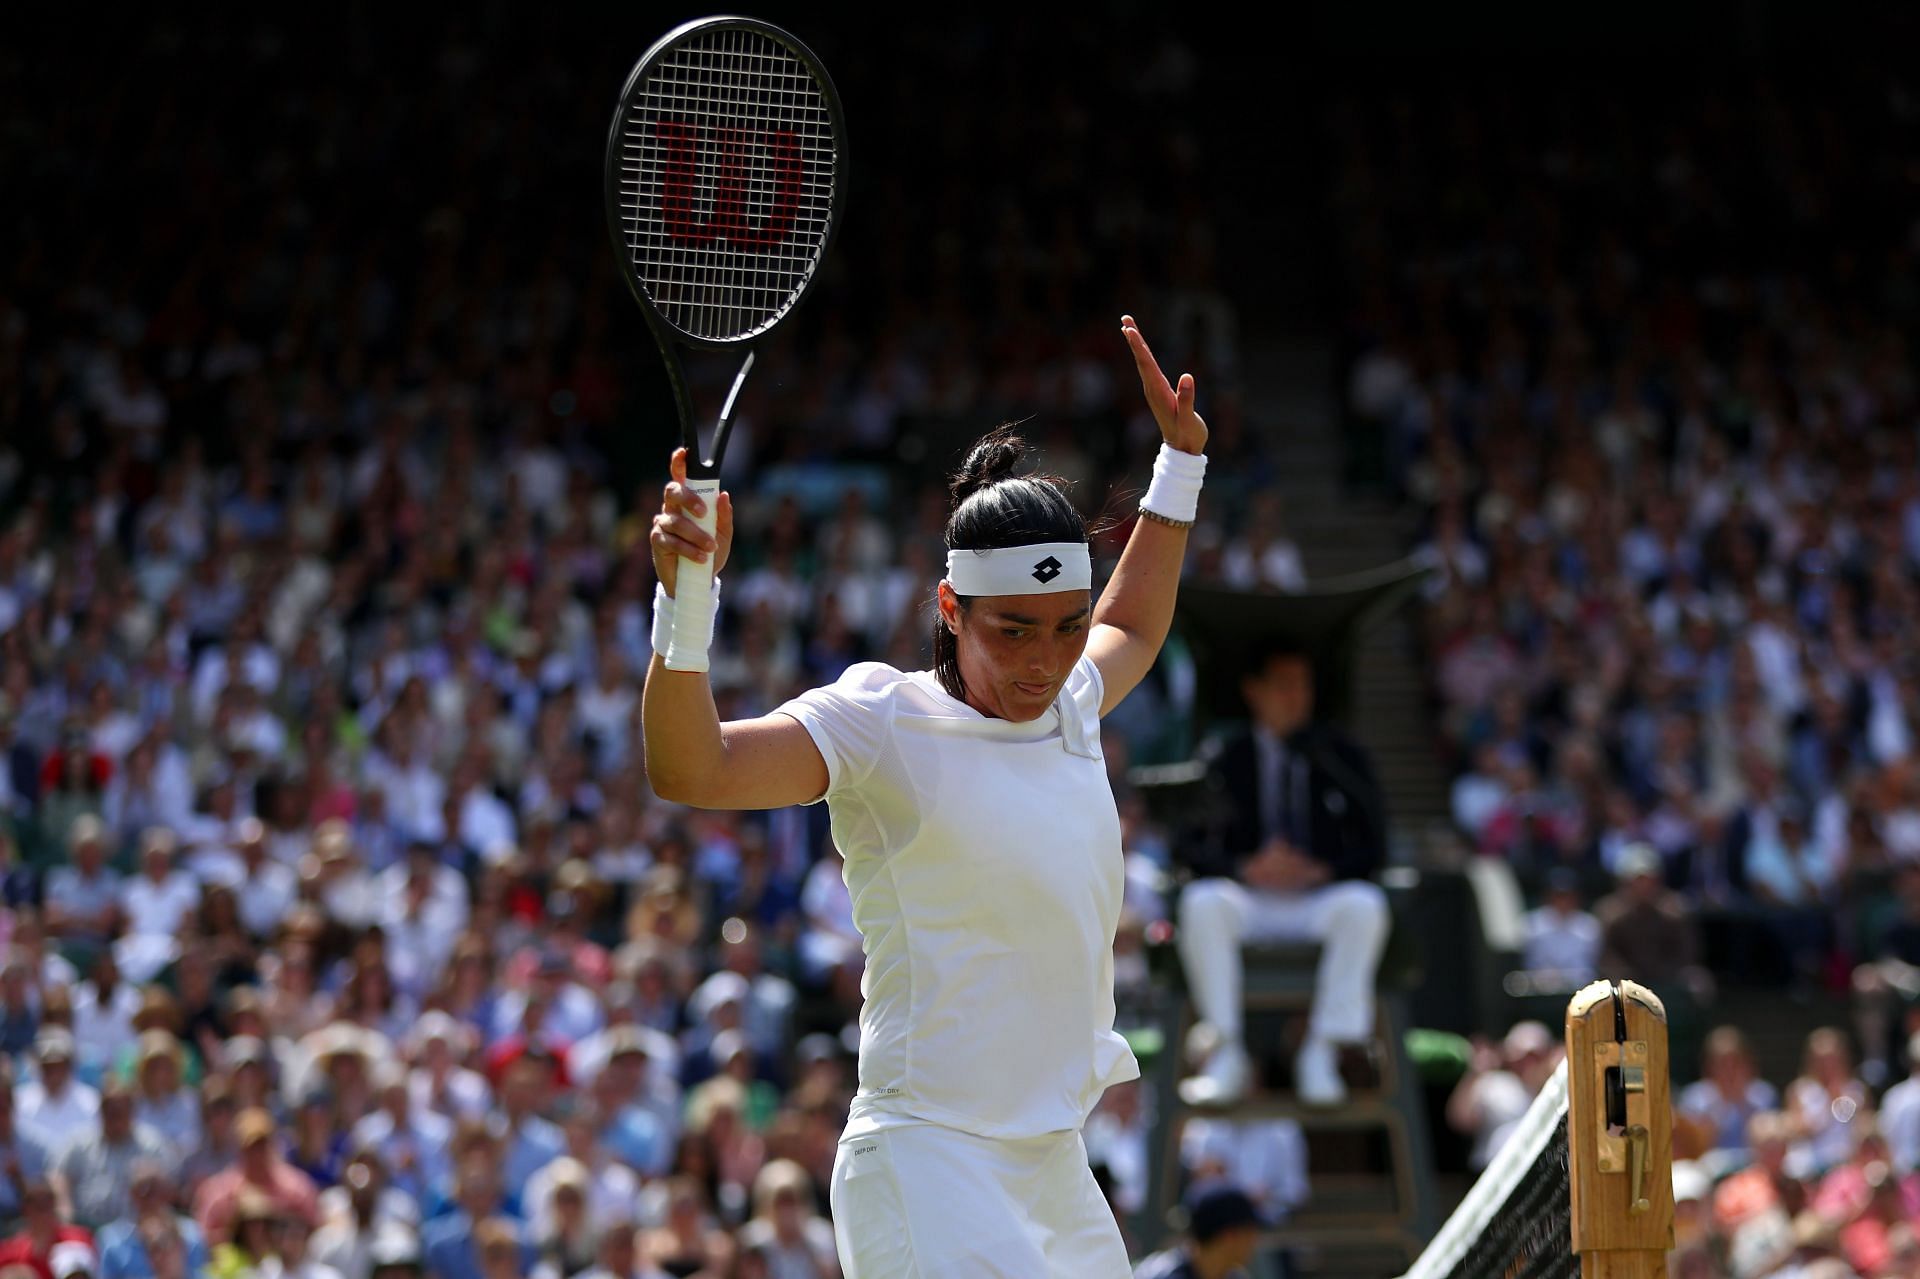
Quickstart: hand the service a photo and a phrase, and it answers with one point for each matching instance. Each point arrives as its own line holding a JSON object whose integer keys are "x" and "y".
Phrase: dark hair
{"x": 992, "y": 508}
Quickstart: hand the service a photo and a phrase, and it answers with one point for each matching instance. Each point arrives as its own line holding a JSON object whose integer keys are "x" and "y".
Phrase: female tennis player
{"x": 982, "y": 852}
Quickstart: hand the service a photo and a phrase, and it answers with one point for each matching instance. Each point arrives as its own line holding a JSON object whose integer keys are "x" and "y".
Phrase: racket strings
{"x": 727, "y": 181}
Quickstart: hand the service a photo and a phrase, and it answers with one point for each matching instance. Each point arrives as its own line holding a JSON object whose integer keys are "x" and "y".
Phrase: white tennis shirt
{"x": 983, "y": 859}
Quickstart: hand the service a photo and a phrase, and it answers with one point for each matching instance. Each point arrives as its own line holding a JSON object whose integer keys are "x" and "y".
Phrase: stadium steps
{"x": 1290, "y": 385}
{"x": 1370, "y": 1168}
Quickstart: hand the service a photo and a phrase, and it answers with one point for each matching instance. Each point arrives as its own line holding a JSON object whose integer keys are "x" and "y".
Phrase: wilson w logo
{"x": 729, "y": 220}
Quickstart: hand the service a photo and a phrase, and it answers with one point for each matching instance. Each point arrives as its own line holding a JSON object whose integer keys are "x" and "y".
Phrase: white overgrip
{"x": 693, "y": 592}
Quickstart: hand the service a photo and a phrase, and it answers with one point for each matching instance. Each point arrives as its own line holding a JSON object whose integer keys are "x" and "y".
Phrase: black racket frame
{"x": 669, "y": 336}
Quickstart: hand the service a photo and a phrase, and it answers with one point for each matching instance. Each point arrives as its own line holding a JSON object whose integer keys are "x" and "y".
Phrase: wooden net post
{"x": 1619, "y": 1131}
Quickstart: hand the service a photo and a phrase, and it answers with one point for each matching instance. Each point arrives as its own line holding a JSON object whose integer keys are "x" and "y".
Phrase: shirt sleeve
{"x": 1086, "y": 687}
{"x": 849, "y": 720}
{"x": 1082, "y": 693}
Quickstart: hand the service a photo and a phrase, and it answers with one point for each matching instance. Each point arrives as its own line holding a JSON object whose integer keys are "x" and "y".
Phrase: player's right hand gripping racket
{"x": 726, "y": 173}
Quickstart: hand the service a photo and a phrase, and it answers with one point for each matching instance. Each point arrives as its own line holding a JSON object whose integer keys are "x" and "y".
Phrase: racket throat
{"x": 707, "y": 468}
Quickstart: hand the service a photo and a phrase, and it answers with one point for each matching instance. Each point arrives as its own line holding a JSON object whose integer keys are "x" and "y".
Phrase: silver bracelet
{"x": 1146, "y": 513}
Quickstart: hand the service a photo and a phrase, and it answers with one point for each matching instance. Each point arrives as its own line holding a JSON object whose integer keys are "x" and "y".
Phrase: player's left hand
{"x": 1172, "y": 405}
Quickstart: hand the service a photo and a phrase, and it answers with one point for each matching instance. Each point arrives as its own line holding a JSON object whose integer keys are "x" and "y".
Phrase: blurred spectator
{"x": 830, "y": 948}
{"x": 19, "y": 1016}
{"x": 1862, "y": 1198}
{"x": 1900, "y": 1114}
{"x": 42, "y": 1229}
{"x": 1824, "y": 1101}
{"x": 612, "y": 1188}
{"x": 438, "y": 1082}
{"x": 165, "y": 1251}
{"x": 1764, "y": 1187}
{"x": 259, "y": 1171}
{"x": 264, "y": 888}
{"x": 1262, "y": 555}
{"x": 251, "y": 1244}
{"x": 560, "y": 1224}
{"x": 124, "y": 1252}
{"x": 412, "y": 1142}
{"x": 1729, "y": 1094}
{"x": 1222, "y": 1235}
{"x": 291, "y": 1259}
{"x": 451, "y": 1244}
{"x": 787, "y": 1226}
{"x": 94, "y": 1173}
{"x": 1648, "y": 932}
{"x": 394, "y": 1254}
{"x": 72, "y": 782}
{"x": 157, "y": 902}
{"x": 83, "y": 898}
{"x": 501, "y": 1250}
{"x": 1499, "y": 1085}
{"x": 688, "y": 1241}
{"x": 1692, "y": 1216}
{"x": 316, "y": 1146}
{"x": 1265, "y": 1158}
{"x": 768, "y": 1003}
{"x": 218, "y": 1147}
{"x": 73, "y": 1260}
{"x": 1480, "y": 792}
{"x": 1888, "y": 979}
{"x": 23, "y": 1158}
{"x": 638, "y": 1099}
{"x": 359, "y": 1213}
{"x": 104, "y": 1009}
{"x": 618, "y": 1257}
{"x": 162, "y": 1102}
{"x": 529, "y": 1142}
{"x": 54, "y": 1107}
{"x": 1117, "y": 1136}
{"x": 1562, "y": 943}
{"x": 1793, "y": 881}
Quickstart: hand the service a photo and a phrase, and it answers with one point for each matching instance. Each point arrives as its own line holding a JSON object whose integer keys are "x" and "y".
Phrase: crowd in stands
{"x": 1820, "y": 1177}
{"x": 339, "y": 932}
{"x": 1645, "y": 371}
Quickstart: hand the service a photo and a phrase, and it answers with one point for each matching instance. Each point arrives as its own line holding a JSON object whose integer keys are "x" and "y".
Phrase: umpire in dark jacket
{"x": 1290, "y": 858}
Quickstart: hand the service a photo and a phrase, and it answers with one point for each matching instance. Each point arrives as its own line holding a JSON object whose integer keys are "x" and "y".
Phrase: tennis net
{"x": 1516, "y": 1221}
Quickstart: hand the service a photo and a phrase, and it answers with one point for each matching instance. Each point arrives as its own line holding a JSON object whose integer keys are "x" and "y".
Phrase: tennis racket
{"x": 726, "y": 173}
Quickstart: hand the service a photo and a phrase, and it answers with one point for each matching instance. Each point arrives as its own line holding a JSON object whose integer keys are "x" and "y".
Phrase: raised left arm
{"x": 1131, "y": 620}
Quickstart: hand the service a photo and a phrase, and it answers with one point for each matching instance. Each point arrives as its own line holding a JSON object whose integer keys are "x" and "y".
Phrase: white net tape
{"x": 1518, "y": 1209}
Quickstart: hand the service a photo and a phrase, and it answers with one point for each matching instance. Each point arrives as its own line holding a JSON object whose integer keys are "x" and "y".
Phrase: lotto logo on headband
{"x": 1020, "y": 570}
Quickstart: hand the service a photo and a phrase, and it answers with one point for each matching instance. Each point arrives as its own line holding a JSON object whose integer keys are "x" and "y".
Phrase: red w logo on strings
{"x": 728, "y": 220}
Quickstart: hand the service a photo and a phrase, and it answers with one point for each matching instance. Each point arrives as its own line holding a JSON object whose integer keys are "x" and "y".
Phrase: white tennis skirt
{"x": 925, "y": 1202}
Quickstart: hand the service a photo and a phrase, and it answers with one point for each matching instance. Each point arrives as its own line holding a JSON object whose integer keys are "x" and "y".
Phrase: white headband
{"x": 1038, "y": 569}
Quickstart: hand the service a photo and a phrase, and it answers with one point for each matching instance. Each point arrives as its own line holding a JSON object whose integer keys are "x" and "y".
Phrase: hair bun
{"x": 993, "y": 459}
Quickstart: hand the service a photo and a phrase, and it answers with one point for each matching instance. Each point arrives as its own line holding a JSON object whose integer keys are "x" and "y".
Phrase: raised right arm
{"x": 693, "y": 758}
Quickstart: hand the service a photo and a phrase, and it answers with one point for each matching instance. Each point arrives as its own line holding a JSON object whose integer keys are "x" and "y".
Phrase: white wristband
{"x": 1175, "y": 488}
{"x": 663, "y": 617}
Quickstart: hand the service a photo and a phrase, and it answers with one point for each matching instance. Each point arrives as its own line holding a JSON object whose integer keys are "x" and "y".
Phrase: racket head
{"x": 725, "y": 178}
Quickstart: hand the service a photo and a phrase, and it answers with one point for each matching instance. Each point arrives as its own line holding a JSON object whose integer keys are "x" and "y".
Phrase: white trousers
{"x": 1349, "y": 919}
{"x": 926, "y": 1202}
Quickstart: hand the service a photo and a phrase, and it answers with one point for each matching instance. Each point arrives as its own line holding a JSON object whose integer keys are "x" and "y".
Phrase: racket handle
{"x": 693, "y": 592}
